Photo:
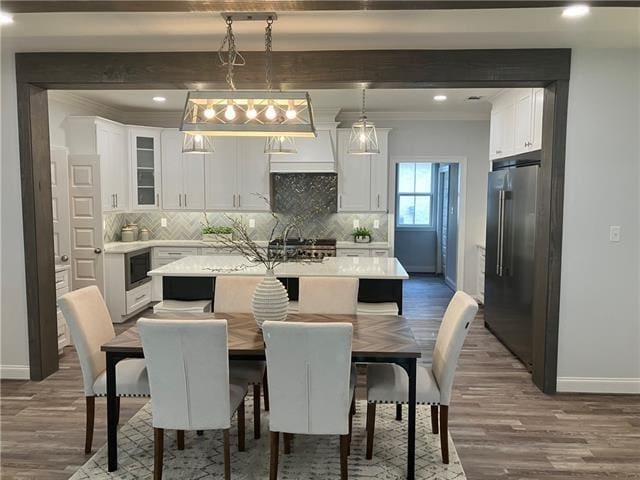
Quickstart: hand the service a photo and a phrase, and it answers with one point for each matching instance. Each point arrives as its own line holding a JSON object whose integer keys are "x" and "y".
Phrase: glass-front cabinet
{"x": 145, "y": 164}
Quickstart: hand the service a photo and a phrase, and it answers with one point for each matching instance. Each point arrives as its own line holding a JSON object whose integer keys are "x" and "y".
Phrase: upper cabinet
{"x": 516, "y": 122}
{"x": 145, "y": 151}
{"x": 182, "y": 175}
{"x": 108, "y": 140}
{"x": 237, "y": 175}
{"x": 362, "y": 179}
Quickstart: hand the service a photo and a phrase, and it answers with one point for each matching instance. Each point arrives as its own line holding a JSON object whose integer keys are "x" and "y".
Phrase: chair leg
{"x": 398, "y": 411}
{"x": 227, "y": 455}
{"x": 287, "y": 437}
{"x": 273, "y": 464}
{"x": 265, "y": 389}
{"x": 158, "y": 451}
{"x": 91, "y": 413}
{"x": 444, "y": 431}
{"x": 256, "y": 412}
{"x": 117, "y": 410}
{"x": 371, "y": 425}
{"x": 350, "y": 430}
{"x": 241, "y": 427}
{"x": 180, "y": 439}
{"x": 353, "y": 405}
{"x": 344, "y": 454}
{"x": 434, "y": 418}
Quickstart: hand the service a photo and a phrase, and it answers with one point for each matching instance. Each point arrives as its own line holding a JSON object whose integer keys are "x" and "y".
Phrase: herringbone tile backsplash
{"x": 187, "y": 225}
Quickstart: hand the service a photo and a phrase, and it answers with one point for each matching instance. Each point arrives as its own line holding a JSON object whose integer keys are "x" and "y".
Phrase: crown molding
{"x": 382, "y": 118}
{"x": 97, "y": 108}
{"x": 156, "y": 118}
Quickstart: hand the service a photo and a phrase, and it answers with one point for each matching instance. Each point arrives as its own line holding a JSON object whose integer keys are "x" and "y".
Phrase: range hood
{"x": 314, "y": 155}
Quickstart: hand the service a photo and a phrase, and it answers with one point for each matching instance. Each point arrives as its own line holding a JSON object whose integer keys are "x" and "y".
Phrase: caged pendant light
{"x": 197, "y": 144}
{"x": 363, "y": 139}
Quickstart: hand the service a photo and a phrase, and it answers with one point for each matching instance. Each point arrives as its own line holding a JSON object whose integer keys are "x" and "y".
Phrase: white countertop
{"x": 382, "y": 268}
{"x": 126, "y": 247}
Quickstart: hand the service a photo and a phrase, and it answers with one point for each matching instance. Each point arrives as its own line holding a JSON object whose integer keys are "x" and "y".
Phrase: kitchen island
{"x": 193, "y": 277}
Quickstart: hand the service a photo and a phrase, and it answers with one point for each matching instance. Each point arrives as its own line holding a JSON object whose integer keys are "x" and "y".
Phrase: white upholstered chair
{"x": 188, "y": 364}
{"x": 388, "y": 383}
{"x": 234, "y": 294}
{"x": 328, "y": 295}
{"x": 90, "y": 324}
{"x": 312, "y": 383}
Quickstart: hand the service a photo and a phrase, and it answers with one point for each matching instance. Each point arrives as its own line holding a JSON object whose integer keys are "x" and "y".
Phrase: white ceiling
{"x": 380, "y": 100}
{"x": 501, "y": 28}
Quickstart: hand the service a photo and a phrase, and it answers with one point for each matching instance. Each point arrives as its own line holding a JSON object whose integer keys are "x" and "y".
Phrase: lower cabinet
{"x": 480, "y": 262}
{"x": 362, "y": 252}
{"x": 122, "y": 303}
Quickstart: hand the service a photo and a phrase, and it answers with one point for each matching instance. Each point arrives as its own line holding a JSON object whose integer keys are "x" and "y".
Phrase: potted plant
{"x": 362, "y": 235}
{"x": 215, "y": 233}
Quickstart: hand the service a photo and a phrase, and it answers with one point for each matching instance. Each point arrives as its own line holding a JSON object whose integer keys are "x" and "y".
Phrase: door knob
{"x": 97, "y": 250}
{"x": 64, "y": 258}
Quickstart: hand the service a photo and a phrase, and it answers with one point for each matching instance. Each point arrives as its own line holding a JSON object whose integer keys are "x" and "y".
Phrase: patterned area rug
{"x": 312, "y": 457}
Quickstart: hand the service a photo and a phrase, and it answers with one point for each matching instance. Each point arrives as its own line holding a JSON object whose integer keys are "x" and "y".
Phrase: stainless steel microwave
{"x": 136, "y": 266}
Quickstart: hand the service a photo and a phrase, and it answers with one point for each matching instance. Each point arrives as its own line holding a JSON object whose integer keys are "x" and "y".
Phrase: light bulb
{"x": 291, "y": 114}
{"x": 197, "y": 138}
{"x": 229, "y": 112}
{"x": 209, "y": 113}
{"x": 363, "y": 137}
{"x": 271, "y": 112}
{"x": 251, "y": 113}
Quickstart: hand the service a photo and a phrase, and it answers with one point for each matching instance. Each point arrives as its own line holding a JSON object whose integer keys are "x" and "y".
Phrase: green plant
{"x": 361, "y": 232}
{"x": 215, "y": 230}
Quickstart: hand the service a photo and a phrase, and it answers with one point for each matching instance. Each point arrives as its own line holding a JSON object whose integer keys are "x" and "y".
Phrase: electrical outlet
{"x": 163, "y": 222}
{"x": 356, "y": 223}
{"x": 376, "y": 224}
{"x": 252, "y": 223}
{"x": 614, "y": 233}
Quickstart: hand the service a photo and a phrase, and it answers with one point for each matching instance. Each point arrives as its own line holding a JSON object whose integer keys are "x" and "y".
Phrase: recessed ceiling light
{"x": 575, "y": 11}
{"x": 159, "y": 99}
{"x": 5, "y": 18}
{"x": 440, "y": 98}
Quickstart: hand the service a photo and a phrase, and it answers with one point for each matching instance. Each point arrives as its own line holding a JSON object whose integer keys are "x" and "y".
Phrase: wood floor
{"x": 502, "y": 426}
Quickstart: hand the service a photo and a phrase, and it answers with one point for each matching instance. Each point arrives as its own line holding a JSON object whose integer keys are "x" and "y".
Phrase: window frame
{"x": 422, "y": 226}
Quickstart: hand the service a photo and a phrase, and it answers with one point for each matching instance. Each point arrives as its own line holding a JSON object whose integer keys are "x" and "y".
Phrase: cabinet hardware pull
{"x": 174, "y": 253}
{"x": 140, "y": 297}
{"x": 157, "y": 199}
{"x": 238, "y": 200}
{"x": 97, "y": 250}
{"x": 340, "y": 198}
{"x": 179, "y": 199}
{"x": 378, "y": 200}
{"x": 116, "y": 200}
{"x": 234, "y": 200}
{"x": 185, "y": 199}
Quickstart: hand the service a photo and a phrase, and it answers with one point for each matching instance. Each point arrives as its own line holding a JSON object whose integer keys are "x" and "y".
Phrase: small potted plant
{"x": 362, "y": 235}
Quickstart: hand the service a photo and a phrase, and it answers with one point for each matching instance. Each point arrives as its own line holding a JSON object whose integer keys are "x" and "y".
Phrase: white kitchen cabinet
{"x": 312, "y": 154}
{"x": 480, "y": 266}
{"x": 353, "y": 252}
{"x": 145, "y": 151}
{"x": 536, "y": 122}
{"x": 237, "y": 175}
{"x": 523, "y": 116}
{"x": 109, "y": 140}
{"x": 182, "y": 175}
{"x": 380, "y": 174}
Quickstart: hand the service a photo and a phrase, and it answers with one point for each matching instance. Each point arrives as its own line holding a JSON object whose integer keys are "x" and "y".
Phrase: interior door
{"x": 60, "y": 205}
{"x": 86, "y": 221}
{"x": 253, "y": 175}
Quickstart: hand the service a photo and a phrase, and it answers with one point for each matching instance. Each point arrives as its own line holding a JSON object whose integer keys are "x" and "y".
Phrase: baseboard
{"x": 14, "y": 372}
{"x": 451, "y": 284}
{"x": 419, "y": 269}
{"x": 598, "y": 385}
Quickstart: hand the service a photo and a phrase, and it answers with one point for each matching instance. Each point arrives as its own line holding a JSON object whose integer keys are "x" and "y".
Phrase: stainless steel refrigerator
{"x": 511, "y": 220}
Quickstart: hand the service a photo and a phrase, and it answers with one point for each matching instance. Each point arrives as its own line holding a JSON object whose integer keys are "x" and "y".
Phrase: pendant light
{"x": 197, "y": 144}
{"x": 277, "y": 144}
{"x": 363, "y": 139}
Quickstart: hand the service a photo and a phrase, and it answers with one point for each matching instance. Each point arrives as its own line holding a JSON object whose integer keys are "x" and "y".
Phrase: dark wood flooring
{"x": 502, "y": 426}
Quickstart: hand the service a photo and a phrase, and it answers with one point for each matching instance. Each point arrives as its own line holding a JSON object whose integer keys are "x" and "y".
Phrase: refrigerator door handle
{"x": 501, "y": 201}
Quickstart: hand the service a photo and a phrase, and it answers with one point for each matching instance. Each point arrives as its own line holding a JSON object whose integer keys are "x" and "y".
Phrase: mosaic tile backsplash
{"x": 187, "y": 225}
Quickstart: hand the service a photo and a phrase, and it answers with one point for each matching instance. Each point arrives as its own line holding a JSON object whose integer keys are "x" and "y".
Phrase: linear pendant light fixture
{"x": 363, "y": 139}
{"x": 254, "y": 113}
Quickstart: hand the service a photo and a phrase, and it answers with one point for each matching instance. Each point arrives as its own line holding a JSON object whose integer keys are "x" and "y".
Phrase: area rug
{"x": 312, "y": 457}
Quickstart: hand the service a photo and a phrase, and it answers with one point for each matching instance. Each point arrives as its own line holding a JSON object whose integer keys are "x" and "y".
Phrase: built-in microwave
{"x": 136, "y": 265}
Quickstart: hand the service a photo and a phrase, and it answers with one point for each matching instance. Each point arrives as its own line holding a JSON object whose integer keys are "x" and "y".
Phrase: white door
{"x": 60, "y": 205}
{"x": 354, "y": 178}
{"x": 253, "y": 175}
{"x": 172, "y": 175}
{"x": 522, "y": 133}
{"x": 380, "y": 175}
{"x": 220, "y": 169}
{"x": 193, "y": 178}
{"x": 86, "y": 221}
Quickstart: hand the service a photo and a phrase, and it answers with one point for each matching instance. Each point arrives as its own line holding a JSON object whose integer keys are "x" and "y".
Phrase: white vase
{"x": 270, "y": 300}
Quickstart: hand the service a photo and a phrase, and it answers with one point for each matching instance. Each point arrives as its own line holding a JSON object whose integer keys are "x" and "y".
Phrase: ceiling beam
{"x": 44, "y": 6}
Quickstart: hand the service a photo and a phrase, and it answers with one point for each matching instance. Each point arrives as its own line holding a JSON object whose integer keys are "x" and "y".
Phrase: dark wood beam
{"x": 40, "y": 6}
{"x": 313, "y": 69}
{"x": 37, "y": 220}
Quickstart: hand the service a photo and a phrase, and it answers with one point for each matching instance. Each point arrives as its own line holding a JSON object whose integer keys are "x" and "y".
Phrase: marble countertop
{"x": 126, "y": 247}
{"x": 382, "y": 268}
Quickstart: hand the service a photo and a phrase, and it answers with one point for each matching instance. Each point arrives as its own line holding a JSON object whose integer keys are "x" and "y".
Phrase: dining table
{"x": 376, "y": 338}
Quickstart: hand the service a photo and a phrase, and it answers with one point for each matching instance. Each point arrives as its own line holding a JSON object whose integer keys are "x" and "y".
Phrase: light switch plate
{"x": 252, "y": 223}
{"x": 376, "y": 224}
{"x": 356, "y": 223}
{"x": 614, "y": 233}
{"x": 163, "y": 222}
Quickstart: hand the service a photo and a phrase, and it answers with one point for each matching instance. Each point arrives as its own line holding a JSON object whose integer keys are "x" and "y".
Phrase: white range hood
{"x": 314, "y": 154}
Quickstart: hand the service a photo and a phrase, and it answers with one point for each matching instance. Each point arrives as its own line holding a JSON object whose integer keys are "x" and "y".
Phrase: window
{"x": 414, "y": 195}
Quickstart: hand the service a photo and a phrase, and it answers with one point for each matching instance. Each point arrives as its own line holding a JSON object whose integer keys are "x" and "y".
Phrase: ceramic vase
{"x": 270, "y": 300}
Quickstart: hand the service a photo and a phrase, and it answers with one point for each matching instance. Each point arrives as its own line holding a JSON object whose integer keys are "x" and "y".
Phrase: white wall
{"x": 599, "y": 343}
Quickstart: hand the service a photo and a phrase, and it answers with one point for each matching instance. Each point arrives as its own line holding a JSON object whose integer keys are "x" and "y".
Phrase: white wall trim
{"x": 75, "y": 100}
{"x": 14, "y": 372}
{"x": 598, "y": 385}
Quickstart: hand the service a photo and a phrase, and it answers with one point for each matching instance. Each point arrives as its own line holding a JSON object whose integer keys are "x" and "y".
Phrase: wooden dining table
{"x": 376, "y": 338}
